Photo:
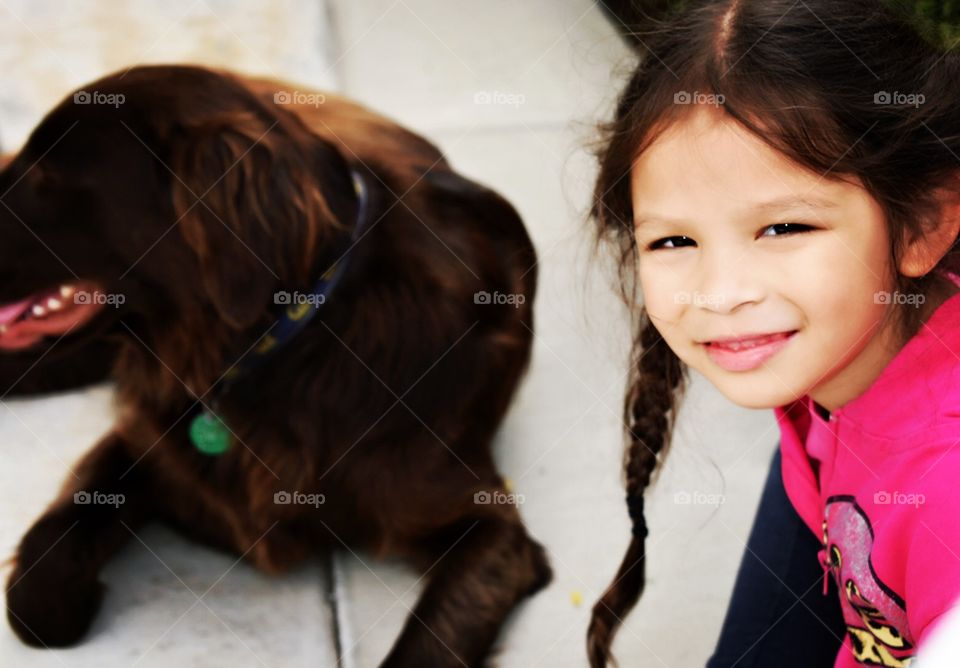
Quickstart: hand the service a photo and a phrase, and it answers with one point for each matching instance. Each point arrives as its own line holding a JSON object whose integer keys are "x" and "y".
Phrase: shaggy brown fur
{"x": 197, "y": 198}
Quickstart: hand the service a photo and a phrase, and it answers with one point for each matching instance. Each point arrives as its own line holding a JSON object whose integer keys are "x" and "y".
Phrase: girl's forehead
{"x": 706, "y": 155}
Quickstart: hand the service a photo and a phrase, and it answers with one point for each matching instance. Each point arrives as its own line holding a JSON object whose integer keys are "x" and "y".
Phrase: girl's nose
{"x": 727, "y": 280}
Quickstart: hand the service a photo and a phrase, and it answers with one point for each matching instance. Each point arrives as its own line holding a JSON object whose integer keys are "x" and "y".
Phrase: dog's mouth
{"x": 49, "y": 313}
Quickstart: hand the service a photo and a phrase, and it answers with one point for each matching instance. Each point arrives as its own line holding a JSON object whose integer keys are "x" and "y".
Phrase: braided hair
{"x": 807, "y": 80}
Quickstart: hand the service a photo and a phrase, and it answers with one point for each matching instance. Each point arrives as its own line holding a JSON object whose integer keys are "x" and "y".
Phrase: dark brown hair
{"x": 812, "y": 80}
{"x": 204, "y": 198}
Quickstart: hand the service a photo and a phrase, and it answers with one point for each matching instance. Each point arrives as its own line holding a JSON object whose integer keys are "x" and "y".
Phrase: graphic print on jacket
{"x": 876, "y": 616}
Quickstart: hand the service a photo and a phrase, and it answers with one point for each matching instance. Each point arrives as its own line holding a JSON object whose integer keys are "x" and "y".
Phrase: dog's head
{"x": 164, "y": 196}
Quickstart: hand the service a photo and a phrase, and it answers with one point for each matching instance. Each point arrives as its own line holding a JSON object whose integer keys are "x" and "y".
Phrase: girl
{"x": 782, "y": 179}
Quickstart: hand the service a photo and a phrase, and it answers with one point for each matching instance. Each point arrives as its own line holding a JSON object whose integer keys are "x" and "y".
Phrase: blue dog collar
{"x": 208, "y": 433}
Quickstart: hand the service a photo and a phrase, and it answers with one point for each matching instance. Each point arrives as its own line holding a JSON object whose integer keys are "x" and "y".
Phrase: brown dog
{"x": 168, "y": 209}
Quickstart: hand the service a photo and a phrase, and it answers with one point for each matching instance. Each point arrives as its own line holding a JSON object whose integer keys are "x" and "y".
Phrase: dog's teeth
{"x": 54, "y": 304}
{"x": 66, "y": 291}
{"x": 38, "y": 310}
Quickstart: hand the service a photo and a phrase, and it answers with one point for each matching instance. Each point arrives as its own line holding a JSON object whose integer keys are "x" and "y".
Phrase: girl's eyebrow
{"x": 777, "y": 204}
{"x": 792, "y": 201}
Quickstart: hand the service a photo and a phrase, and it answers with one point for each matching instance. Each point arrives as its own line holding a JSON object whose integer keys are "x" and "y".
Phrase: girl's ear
{"x": 923, "y": 252}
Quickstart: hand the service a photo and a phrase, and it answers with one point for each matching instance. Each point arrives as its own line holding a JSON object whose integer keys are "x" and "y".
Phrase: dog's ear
{"x": 250, "y": 194}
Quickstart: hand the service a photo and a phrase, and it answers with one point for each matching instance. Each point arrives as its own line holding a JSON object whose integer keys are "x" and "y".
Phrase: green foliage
{"x": 945, "y": 17}
{"x": 938, "y": 19}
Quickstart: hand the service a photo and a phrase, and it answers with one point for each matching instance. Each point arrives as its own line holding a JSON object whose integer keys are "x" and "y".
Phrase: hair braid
{"x": 649, "y": 412}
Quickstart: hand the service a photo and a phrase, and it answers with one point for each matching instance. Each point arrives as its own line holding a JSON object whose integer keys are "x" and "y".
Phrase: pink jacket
{"x": 885, "y": 501}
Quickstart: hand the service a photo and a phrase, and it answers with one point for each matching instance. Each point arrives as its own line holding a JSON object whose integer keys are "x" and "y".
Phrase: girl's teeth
{"x": 753, "y": 343}
{"x": 54, "y": 304}
{"x": 738, "y": 345}
{"x": 38, "y": 310}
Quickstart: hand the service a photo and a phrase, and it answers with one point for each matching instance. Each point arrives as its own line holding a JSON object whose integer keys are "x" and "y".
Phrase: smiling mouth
{"x": 749, "y": 342}
{"x": 747, "y": 354}
{"x": 48, "y": 313}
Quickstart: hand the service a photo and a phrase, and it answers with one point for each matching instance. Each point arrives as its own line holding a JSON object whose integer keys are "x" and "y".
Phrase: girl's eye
{"x": 787, "y": 228}
{"x": 782, "y": 228}
{"x": 657, "y": 244}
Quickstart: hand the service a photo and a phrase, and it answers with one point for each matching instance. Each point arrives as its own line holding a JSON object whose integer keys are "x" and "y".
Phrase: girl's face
{"x": 734, "y": 240}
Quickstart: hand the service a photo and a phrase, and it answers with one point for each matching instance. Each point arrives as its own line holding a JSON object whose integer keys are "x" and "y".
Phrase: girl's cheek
{"x": 660, "y": 289}
{"x": 651, "y": 284}
{"x": 667, "y": 274}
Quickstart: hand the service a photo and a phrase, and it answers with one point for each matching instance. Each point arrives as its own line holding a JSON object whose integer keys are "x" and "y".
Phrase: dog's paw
{"x": 51, "y": 597}
{"x": 46, "y": 610}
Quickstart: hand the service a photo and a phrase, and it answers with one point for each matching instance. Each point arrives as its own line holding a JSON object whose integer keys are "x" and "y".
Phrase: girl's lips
{"x": 747, "y": 354}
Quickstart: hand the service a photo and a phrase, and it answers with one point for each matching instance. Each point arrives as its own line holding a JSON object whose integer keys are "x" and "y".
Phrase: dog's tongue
{"x": 10, "y": 312}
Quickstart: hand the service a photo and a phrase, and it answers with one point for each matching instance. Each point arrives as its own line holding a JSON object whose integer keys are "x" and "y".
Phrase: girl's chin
{"x": 757, "y": 393}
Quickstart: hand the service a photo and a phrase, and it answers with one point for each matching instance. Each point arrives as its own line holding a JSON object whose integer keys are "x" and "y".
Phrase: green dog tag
{"x": 209, "y": 434}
